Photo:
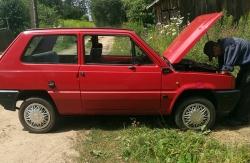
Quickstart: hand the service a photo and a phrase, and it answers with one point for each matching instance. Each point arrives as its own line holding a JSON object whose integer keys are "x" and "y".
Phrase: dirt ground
{"x": 18, "y": 145}
{"x": 230, "y": 135}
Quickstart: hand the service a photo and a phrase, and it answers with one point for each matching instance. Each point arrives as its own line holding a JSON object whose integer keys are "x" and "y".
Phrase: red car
{"x": 111, "y": 71}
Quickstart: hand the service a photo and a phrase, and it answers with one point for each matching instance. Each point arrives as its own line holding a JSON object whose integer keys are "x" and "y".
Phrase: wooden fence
{"x": 189, "y": 9}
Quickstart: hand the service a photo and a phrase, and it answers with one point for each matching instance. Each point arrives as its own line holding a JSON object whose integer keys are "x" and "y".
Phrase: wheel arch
{"x": 205, "y": 93}
{"x": 25, "y": 94}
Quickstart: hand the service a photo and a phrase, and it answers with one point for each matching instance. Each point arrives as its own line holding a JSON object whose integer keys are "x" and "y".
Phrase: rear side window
{"x": 52, "y": 49}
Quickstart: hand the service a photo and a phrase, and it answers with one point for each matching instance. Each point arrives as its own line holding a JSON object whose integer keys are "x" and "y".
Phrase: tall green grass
{"x": 77, "y": 23}
{"x": 161, "y": 36}
{"x": 69, "y": 23}
{"x": 148, "y": 142}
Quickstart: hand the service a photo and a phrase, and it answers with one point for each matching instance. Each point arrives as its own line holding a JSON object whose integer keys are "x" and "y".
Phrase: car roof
{"x": 76, "y": 29}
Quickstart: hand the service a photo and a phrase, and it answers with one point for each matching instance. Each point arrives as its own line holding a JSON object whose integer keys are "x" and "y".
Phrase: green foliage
{"x": 114, "y": 12}
{"x": 107, "y": 12}
{"x": 53, "y": 4}
{"x": 77, "y": 23}
{"x": 49, "y": 3}
{"x": 135, "y": 26}
{"x": 136, "y": 11}
{"x": 121, "y": 46}
{"x": 48, "y": 17}
{"x": 85, "y": 18}
{"x": 138, "y": 143}
{"x": 64, "y": 42}
{"x": 73, "y": 12}
{"x": 15, "y": 15}
{"x": 82, "y": 4}
{"x": 67, "y": 9}
{"x": 160, "y": 37}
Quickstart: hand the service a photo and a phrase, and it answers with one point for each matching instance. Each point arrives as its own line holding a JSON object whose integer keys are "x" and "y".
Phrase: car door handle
{"x": 131, "y": 67}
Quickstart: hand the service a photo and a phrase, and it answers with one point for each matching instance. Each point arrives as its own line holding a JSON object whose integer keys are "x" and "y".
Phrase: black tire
{"x": 37, "y": 115}
{"x": 195, "y": 112}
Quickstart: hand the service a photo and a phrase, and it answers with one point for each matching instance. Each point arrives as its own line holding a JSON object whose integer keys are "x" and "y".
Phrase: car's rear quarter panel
{"x": 24, "y": 77}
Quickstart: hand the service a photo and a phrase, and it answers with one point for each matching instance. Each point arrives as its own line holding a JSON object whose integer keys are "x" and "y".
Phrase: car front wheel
{"x": 37, "y": 115}
{"x": 193, "y": 113}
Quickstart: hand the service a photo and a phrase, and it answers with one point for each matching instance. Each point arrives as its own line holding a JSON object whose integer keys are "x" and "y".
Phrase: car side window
{"x": 113, "y": 50}
{"x": 51, "y": 49}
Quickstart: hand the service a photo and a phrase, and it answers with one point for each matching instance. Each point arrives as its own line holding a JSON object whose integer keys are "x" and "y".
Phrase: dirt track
{"x": 230, "y": 135}
{"x": 18, "y": 145}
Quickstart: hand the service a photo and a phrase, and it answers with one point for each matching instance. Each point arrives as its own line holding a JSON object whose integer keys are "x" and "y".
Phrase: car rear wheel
{"x": 193, "y": 113}
{"x": 37, "y": 115}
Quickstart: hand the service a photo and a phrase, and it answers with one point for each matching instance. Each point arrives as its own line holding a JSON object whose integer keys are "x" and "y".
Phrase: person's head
{"x": 212, "y": 49}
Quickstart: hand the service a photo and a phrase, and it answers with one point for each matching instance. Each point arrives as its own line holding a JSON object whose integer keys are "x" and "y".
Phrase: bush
{"x": 107, "y": 12}
{"x": 48, "y": 17}
{"x": 14, "y": 15}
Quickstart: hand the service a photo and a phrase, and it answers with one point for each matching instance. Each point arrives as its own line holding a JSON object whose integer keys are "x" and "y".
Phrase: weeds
{"x": 77, "y": 23}
{"x": 71, "y": 24}
{"x": 139, "y": 142}
{"x": 160, "y": 37}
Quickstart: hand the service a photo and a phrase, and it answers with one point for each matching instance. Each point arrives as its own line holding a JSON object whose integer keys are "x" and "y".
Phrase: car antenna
{"x": 207, "y": 36}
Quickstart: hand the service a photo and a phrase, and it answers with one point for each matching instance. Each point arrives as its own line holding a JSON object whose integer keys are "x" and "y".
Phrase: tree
{"x": 68, "y": 9}
{"x": 50, "y": 3}
{"x": 14, "y": 15}
{"x": 107, "y": 12}
{"x": 82, "y": 4}
{"x": 136, "y": 11}
{"x": 47, "y": 16}
{"x": 53, "y": 4}
{"x": 73, "y": 9}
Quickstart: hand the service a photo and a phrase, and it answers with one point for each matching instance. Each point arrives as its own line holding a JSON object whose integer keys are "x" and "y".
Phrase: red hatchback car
{"x": 111, "y": 71}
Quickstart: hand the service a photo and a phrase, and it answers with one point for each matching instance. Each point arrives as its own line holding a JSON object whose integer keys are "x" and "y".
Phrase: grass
{"x": 149, "y": 139}
{"x": 68, "y": 23}
{"x": 121, "y": 46}
{"x": 77, "y": 23}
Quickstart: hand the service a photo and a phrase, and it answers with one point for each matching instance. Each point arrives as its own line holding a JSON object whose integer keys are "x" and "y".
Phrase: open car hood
{"x": 190, "y": 36}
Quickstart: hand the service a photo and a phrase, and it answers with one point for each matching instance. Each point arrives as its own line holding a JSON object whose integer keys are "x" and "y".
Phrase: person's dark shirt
{"x": 235, "y": 52}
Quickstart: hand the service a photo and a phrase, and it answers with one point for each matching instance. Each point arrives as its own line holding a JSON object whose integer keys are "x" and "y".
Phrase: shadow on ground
{"x": 112, "y": 122}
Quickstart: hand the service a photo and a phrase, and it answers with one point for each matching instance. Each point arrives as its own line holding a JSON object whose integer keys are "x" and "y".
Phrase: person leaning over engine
{"x": 234, "y": 52}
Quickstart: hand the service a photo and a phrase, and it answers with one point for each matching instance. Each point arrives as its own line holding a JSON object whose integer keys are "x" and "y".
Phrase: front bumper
{"x": 8, "y": 99}
{"x": 227, "y": 99}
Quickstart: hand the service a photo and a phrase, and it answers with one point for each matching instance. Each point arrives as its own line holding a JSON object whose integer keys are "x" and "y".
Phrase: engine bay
{"x": 191, "y": 65}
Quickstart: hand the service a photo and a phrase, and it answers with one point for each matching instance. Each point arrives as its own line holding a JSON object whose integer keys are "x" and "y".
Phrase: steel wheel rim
{"x": 37, "y": 116}
{"x": 195, "y": 115}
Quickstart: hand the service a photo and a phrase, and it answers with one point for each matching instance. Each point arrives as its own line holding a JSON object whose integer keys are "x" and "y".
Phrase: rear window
{"x": 52, "y": 49}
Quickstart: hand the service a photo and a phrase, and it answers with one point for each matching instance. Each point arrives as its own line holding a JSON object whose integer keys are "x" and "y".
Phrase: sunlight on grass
{"x": 71, "y": 24}
{"x": 77, "y": 23}
{"x": 143, "y": 144}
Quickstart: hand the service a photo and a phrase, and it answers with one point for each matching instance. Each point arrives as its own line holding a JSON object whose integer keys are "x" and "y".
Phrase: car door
{"x": 118, "y": 82}
{"x": 50, "y": 63}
